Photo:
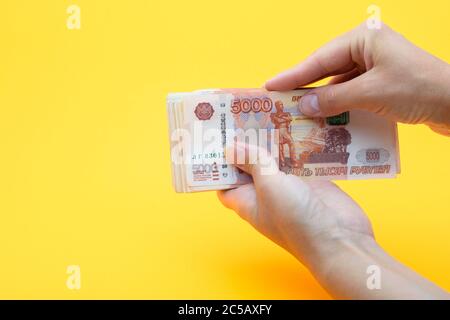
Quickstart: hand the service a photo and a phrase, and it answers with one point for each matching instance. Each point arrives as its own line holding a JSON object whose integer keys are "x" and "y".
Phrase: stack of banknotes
{"x": 351, "y": 145}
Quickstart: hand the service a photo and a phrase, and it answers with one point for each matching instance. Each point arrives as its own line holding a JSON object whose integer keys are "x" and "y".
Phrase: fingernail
{"x": 309, "y": 104}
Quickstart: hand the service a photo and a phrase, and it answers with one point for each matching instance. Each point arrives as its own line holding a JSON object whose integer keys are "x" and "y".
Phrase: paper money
{"x": 352, "y": 145}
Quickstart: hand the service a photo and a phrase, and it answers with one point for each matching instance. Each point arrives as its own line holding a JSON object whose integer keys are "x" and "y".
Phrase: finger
{"x": 441, "y": 130}
{"x": 254, "y": 160}
{"x": 334, "y": 99}
{"x": 345, "y": 76}
{"x": 331, "y": 59}
{"x": 242, "y": 200}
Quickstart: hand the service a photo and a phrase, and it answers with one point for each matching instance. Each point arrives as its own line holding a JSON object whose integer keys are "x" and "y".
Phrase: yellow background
{"x": 84, "y": 160}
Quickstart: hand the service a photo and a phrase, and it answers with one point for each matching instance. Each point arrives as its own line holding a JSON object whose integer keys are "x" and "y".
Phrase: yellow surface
{"x": 84, "y": 160}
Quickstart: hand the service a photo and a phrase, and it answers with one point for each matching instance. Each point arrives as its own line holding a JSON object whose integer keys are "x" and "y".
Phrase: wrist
{"x": 348, "y": 248}
{"x": 437, "y": 98}
{"x": 347, "y": 269}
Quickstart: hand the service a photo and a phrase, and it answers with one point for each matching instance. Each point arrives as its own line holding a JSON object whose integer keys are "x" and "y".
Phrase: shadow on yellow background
{"x": 85, "y": 166}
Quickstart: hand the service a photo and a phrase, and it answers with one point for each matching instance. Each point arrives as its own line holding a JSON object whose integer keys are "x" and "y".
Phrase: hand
{"x": 322, "y": 227}
{"x": 376, "y": 70}
{"x": 305, "y": 218}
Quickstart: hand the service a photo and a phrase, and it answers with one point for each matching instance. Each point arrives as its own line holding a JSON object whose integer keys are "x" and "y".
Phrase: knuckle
{"x": 330, "y": 102}
{"x": 320, "y": 61}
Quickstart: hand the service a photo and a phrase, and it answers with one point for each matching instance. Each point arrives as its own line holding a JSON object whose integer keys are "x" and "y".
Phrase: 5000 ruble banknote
{"x": 352, "y": 145}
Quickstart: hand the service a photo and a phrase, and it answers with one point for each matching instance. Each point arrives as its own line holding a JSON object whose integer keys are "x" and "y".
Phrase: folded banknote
{"x": 352, "y": 145}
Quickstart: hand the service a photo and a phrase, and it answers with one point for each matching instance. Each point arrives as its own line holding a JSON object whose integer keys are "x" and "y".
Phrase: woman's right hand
{"x": 377, "y": 70}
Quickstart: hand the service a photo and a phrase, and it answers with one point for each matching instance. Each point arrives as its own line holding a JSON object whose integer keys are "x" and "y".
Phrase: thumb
{"x": 334, "y": 99}
{"x": 253, "y": 160}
